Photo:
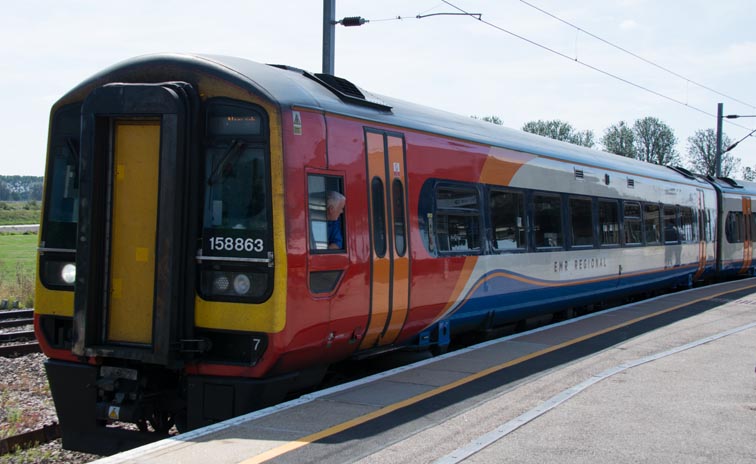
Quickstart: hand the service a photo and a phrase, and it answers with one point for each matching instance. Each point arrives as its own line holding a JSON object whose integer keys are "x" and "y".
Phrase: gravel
{"x": 26, "y": 404}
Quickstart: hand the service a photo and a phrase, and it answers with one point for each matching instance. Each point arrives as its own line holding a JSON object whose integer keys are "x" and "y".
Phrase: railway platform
{"x": 670, "y": 379}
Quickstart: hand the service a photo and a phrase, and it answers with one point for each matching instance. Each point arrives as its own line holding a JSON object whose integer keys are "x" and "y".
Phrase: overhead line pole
{"x": 718, "y": 161}
{"x": 329, "y": 35}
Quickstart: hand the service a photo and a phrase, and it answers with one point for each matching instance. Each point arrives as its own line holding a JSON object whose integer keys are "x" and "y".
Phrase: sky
{"x": 519, "y": 63}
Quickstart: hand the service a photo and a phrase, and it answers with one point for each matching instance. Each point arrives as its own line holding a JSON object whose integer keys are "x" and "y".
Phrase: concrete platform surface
{"x": 681, "y": 392}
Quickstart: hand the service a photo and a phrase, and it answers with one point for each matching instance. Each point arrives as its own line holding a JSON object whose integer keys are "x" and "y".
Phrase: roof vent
{"x": 630, "y": 183}
{"x": 579, "y": 174}
{"x": 732, "y": 182}
{"x": 683, "y": 171}
{"x": 342, "y": 85}
{"x": 345, "y": 90}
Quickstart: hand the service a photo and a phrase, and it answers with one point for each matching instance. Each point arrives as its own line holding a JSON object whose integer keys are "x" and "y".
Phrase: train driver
{"x": 335, "y": 202}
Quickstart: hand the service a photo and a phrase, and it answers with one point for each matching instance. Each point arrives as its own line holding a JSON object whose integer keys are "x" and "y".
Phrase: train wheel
{"x": 160, "y": 422}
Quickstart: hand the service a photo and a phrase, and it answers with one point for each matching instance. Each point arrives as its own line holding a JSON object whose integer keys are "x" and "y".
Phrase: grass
{"x": 18, "y": 254}
{"x": 19, "y": 212}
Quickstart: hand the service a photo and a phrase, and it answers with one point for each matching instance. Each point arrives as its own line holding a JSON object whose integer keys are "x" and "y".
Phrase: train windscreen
{"x": 236, "y": 238}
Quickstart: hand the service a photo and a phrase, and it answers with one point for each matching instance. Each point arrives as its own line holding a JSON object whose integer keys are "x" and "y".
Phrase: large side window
{"x": 508, "y": 220}
{"x": 581, "y": 221}
{"x": 325, "y": 203}
{"x": 632, "y": 223}
{"x": 608, "y": 216}
{"x": 547, "y": 221}
{"x": 457, "y": 219}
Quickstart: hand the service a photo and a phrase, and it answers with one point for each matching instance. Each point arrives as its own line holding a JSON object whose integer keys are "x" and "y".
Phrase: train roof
{"x": 292, "y": 87}
{"x": 734, "y": 187}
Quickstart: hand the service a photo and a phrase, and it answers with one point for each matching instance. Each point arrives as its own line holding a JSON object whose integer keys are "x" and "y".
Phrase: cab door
{"x": 389, "y": 246}
{"x": 134, "y": 243}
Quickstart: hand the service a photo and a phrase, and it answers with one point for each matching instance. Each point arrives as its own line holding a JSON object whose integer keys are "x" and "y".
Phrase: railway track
{"x": 13, "y": 343}
{"x": 17, "y": 342}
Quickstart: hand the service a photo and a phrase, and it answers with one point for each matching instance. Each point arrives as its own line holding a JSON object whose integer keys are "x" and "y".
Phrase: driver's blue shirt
{"x": 334, "y": 233}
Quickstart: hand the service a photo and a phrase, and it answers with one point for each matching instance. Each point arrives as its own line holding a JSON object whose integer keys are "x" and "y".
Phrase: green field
{"x": 18, "y": 254}
{"x": 19, "y": 212}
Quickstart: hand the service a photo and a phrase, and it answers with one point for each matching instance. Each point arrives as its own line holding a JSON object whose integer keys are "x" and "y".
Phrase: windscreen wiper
{"x": 236, "y": 146}
{"x": 74, "y": 151}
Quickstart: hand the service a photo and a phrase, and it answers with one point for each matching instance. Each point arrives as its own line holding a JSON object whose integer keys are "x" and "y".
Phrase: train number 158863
{"x": 236, "y": 244}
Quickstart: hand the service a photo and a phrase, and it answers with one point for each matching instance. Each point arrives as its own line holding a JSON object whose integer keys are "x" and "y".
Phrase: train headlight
{"x": 235, "y": 284}
{"x": 241, "y": 284}
{"x": 68, "y": 273}
{"x": 221, "y": 283}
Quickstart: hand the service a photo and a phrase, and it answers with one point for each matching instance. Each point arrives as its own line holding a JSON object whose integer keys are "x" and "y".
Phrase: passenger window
{"x": 608, "y": 222}
{"x": 671, "y": 231}
{"x": 508, "y": 220}
{"x": 632, "y": 221}
{"x": 326, "y": 203}
{"x": 581, "y": 221}
{"x": 457, "y": 220}
{"x": 547, "y": 221}
{"x": 651, "y": 224}
{"x": 397, "y": 195}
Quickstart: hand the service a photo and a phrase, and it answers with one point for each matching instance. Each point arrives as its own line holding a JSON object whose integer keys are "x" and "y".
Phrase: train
{"x": 186, "y": 272}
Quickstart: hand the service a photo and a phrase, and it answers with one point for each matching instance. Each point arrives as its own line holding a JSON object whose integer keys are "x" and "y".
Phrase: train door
{"x": 389, "y": 244}
{"x": 130, "y": 283}
{"x": 133, "y": 245}
{"x": 747, "y": 235}
{"x": 702, "y": 234}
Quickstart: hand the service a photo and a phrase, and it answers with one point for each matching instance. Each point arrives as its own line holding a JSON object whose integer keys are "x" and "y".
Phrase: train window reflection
{"x": 508, "y": 220}
{"x": 547, "y": 221}
{"x": 608, "y": 216}
{"x": 581, "y": 221}
{"x": 457, "y": 220}
{"x": 688, "y": 223}
{"x": 236, "y": 191}
{"x": 632, "y": 223}
{"x": 735, "y": 227}
{"x": 651, "y": 222}
{"x": 671, "y": 230}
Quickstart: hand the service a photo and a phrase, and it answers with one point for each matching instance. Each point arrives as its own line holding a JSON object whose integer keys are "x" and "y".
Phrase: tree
{"x": 560, "y": 130}
{"x": 749, "y": 174}
{"x": 492, "y": 119}
{"x": 620, "y": 140}
{"x": 702, "y": 154}
{"x": 655, "y": 142}
{"x": 5, "y": 193}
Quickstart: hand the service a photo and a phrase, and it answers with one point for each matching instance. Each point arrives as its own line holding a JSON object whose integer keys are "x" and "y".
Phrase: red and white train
{"x": 185, "y": 274}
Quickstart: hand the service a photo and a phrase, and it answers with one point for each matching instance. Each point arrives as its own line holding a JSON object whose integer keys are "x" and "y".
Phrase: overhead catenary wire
{"x": 592, "y": 67}
{"x": 635, "y": 55}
